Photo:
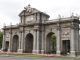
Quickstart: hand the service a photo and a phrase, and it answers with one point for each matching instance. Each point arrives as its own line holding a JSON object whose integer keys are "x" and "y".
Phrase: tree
{"x": 1, "y": 38}
{"x": 53, "y": 39}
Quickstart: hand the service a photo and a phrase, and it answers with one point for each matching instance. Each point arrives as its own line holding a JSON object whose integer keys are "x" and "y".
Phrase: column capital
{"x": 58, "y": 28}
{"x": 74, "y": 27}
{"x": 20, "y": 31}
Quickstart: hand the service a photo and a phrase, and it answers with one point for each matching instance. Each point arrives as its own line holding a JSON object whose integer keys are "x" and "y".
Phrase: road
{"x": 33, "y": 58}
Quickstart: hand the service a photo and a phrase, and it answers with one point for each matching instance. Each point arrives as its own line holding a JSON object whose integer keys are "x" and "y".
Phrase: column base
{"x": 77, "y": 53}
{"x": 20, "y": 50}
{"x": 58, "y": 53}
{"x": 9, "y": 50}
{"x": 42, "y": 52}
{"x": 72, "y": 54}
{"x": 2, "y": 49}
{"x": 35, "y": 51}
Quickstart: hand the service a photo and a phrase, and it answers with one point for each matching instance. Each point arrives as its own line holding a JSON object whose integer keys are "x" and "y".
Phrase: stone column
{"x": 35, "y": 42}
{"x": 3, "y": 42}
{"x": 77, "y": 41}
{"x": 36, "y": 48}
{"x": 43, "y": 42}
{"x": 72, "y": 45}
{"x": 19, "y": 47}
{"x": 10, "y": 41}
{"x": 21, "y": 40}
{"x": 58, "y": 40}
{"x": 20, "y": 36}
{"x": 38, "y": 42}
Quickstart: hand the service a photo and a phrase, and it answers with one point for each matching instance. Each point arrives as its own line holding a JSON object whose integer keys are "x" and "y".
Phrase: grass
{"x": 29, "y": 56}
{"x": 35, "y": 56}
{"x": 22, "y": 55}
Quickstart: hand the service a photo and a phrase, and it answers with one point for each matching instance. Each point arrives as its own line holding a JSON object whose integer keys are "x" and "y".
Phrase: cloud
{"x": 9, "y": 9}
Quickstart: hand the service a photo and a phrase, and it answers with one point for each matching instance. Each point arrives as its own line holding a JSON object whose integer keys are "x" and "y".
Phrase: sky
{"x": 10, "y": 9}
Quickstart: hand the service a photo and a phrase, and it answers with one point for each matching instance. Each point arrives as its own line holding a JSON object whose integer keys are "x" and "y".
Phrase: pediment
{"x": 29, "y": 10}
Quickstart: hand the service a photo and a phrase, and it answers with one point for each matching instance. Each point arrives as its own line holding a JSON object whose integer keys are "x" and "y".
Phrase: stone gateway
{"x": 37, "y": 34}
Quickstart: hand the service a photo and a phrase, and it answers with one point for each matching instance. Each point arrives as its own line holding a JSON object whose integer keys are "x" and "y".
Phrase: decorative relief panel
{"x": 29, "y": 18}
{"x": 65, "y": 34}
{"x": 75, "y": 26}
{"x": 7, "y": 35}
{"x": 66, "y": 25}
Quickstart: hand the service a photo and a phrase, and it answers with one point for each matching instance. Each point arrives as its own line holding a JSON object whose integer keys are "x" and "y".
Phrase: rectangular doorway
{"x": 7, "y": 45}
{"x": 66, "y": 46}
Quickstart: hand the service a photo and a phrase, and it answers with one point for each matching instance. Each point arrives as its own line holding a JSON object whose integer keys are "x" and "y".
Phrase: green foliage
{"x": 1, "y": 38}
{"x": 53, "y": 39}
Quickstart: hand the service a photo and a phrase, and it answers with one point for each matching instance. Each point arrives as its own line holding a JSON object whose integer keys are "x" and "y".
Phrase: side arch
{"x": 15, "y": 43}
{"x": 51, "y": 43}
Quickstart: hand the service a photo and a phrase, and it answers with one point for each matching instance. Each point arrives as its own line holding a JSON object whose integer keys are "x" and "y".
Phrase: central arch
{"x": 51, "y": 43}
{"x": 28, "y": 43}
{"x": 15, "y": 43}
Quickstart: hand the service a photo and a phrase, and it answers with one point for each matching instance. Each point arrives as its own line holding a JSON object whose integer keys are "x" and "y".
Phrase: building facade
{"x": 37, "y": 34}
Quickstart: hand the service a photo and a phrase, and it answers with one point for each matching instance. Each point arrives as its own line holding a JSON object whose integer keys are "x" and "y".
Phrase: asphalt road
{"x": 31, "y": 58}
